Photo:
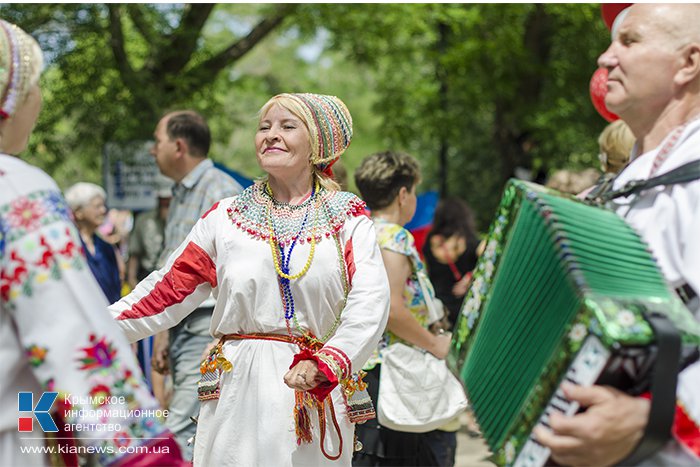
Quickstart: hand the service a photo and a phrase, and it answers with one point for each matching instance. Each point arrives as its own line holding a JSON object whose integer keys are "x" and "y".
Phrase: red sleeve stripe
{"x": 192, "y": 268}
{"x": 349, "y": 261}
{"x": 210, "y": 210}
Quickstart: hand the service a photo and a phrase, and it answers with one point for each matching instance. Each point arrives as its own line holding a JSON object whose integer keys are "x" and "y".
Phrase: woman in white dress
{"x": 302, "y": 299}
{"x": 58, "y": 344}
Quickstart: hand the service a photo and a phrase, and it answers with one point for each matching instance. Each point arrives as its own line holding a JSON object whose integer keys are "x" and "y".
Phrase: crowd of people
{"x": 268, "y": 308}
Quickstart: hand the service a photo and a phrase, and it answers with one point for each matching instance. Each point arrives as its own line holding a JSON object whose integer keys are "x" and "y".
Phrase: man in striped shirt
{"x": 182, "y": 141}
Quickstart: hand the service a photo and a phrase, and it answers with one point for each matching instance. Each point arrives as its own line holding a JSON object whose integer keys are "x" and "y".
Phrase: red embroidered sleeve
{"x": 332, "y": 362}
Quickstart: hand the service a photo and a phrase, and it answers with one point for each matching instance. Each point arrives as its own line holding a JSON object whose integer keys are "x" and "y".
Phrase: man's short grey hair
{"x": 80, "y": 194}
{"x": 618, "y": 21}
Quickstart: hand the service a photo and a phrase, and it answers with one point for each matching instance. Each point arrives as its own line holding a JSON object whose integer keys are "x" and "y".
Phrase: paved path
{"x": 471, "y": 451}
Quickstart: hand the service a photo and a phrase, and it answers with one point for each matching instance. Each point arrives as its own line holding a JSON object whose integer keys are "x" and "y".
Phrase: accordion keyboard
{"x": 584, "y": 371}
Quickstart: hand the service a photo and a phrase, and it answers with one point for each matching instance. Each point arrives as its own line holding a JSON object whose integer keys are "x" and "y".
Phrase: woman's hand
{"x": 441, "y": 345}
{"x": 440, "y": 327}
{"x": 304, "y": 376}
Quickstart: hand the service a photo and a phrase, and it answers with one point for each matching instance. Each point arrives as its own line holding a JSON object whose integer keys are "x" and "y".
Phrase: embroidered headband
{"x": 329, "y": 123}
{"x": 20, "y": 64}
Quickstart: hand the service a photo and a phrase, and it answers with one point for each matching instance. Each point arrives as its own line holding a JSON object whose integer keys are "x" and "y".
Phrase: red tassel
{"x": 301, "y": 419}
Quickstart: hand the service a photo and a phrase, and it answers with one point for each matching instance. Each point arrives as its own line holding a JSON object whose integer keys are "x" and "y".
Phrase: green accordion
{"x": 561, "y": 292}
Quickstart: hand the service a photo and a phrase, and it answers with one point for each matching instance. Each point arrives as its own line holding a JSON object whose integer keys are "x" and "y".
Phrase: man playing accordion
{"x": 654, "y": 86}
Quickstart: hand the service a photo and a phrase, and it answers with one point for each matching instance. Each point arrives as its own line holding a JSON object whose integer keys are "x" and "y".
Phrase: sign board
{"x": 130, "y": 173}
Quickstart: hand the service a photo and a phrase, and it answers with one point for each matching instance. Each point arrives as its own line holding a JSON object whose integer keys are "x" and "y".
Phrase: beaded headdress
{"x": 329, "y": 123}
{"x": 17, "y": 69}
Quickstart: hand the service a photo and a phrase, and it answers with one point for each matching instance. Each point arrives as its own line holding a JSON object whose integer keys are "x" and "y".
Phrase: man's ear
{"x": 181, "y": 146}
{"x": 690, "y": 69}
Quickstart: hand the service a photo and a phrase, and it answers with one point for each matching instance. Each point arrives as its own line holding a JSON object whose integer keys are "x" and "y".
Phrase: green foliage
{"x": 114, "y": 69}
{"x": 491, "y": 86}
{"x": 472, "y": 90}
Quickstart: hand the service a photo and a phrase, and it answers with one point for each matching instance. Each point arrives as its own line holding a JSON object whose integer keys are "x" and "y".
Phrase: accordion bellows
{"x": 556, "y": 276}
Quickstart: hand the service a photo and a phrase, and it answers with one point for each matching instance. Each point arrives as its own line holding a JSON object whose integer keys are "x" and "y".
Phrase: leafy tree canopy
{"x": 472, "y": 90}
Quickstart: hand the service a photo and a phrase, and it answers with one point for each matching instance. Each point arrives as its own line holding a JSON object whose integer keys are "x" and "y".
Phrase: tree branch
{"x": 183, "y": 41}
{"x": 141, "y": 23}
{"x": 136, "y": 82}
{"x": 237, "y": 50}
{"x": 537, "y": 42}
{"x": 116, "y": 42}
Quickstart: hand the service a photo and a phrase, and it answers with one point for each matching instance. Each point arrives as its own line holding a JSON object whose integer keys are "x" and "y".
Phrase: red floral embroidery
{"x": 25, "y": 213}
{"x": 70, "y": 249}
{"x": 9, "y": 276}
{"x": 100, "y": 355}
{"x": 101, "y": 391}
{"x": 16, "y": 274}
{"x": 47, "y": 256}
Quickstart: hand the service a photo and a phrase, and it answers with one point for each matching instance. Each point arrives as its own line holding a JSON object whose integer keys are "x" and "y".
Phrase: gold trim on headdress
{"x": 16, "y": 67}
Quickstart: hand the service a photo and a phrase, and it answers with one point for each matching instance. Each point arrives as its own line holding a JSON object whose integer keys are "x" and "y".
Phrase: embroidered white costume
{"x": 668, "y": 218}
{"x": 56, "y": 335}
{"x": 228, "y": 253}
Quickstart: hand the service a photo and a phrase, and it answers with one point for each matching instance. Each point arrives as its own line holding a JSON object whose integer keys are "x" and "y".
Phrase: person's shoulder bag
{"x": 417, "y": 392}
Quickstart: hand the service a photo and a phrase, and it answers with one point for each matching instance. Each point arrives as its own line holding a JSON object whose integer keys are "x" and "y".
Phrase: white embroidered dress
{"x": 252, "y": 422}
{"x": 55, "y": 332}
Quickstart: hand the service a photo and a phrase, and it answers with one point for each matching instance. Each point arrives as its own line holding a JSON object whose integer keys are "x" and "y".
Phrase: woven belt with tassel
{"x": 302, "y": 399}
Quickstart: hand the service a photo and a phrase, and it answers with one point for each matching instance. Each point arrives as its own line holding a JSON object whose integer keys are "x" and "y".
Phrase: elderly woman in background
{"x": 301, "y": 299}
{"x": 55, "y": 333}
{"x": 87, "y": 201}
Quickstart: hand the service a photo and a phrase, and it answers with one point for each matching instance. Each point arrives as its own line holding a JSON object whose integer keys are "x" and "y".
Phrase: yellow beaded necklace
{"x": 274, "y": 248}
{"x": 272, "y": 240}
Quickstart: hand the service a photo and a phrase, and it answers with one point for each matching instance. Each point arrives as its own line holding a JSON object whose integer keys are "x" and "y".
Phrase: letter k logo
{"x": 25, "y": 403}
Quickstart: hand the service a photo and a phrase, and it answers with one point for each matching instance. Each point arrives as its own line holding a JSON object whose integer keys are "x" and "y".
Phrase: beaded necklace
{"x": 249, "y": 212}
{"x": 346, "y": 289}
{"x": 281, "y": 262}
{"x": 278, "y": 257}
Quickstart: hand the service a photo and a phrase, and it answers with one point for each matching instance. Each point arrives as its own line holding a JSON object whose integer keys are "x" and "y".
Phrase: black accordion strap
{"x": 683, "y": 174}
{"x": 663, "y": 389}
{"x": 686, "y": 292}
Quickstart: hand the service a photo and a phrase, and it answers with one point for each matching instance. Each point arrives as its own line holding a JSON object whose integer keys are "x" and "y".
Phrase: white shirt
{"x": 668, "y": 218}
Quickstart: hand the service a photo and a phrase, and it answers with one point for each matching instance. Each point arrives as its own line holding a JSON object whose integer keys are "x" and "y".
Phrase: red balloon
{"x": 611, "y": 10}
{"x": 598, "y": 89}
